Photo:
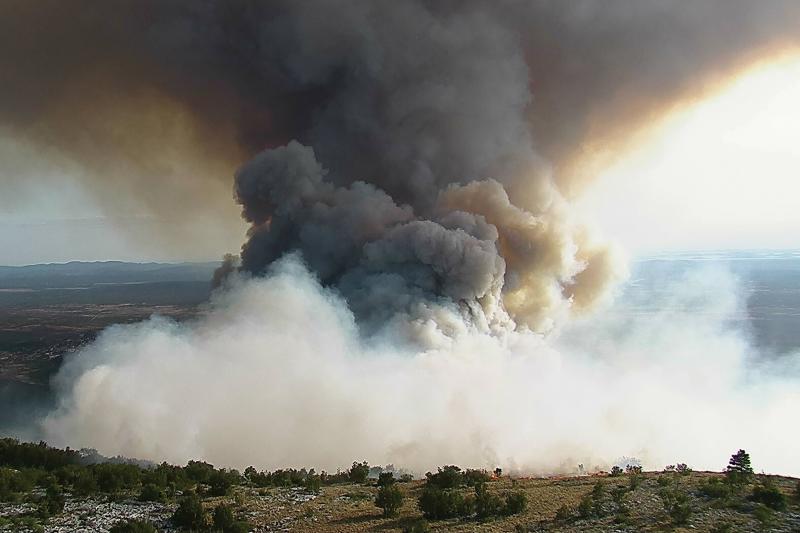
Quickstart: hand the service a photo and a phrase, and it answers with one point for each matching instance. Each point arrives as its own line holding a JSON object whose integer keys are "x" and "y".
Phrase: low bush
{"x": 516, "y": 503}
{"x": 764, "y": 515}
{"x": 358, "y": 472}
{"x": 564, "y": 513}
{"x": 225, "y": 522}
{"x": 219, "y": 483}
{"x": 417, "y": 526}
{"x": 438, "y": 504}
{"x": 591, "y": 505}
{"x": 715, "y": 488}
{"x": 52, "y": 503}
{"x": 151, "y": 493}
{"x": 473, "y": 477}
{"x": 313, "y": 484}
{"x": 133, "y": 526}
{"x": 390, "y": 499}
{"x": 676, "y": 504}
{"x": 487, "y": 504}
{"x": 190, "y": 514}
{"x": 768, "y": 494}
{"x": 615, "y": 471}
{"x": 385, "y": 478}
{"x": 447, "y": 477}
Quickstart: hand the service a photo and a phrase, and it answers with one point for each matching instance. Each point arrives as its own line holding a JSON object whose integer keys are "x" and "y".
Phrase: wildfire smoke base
{"x": 276, "y": 374}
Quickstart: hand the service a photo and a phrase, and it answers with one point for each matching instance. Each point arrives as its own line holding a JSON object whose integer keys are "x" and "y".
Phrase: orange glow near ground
{"x": 722, "y": 173}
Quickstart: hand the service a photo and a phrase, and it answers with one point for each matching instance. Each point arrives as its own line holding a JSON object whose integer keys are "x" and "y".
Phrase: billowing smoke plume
{"x": 475, "y": 261}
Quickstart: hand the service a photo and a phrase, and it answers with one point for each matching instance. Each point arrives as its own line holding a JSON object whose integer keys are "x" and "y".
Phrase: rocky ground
{"x": 350, "y": 508}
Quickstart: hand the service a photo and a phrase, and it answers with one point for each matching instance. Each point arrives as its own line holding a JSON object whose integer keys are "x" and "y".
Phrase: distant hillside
{"x": 78, "y": 274}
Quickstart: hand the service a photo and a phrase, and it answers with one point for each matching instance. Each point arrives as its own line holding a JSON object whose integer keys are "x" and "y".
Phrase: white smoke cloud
{"x": 276, "y": 374}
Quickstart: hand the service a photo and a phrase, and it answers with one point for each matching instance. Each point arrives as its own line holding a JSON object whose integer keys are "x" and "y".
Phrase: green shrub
{"x": 19, "y": 455}
{"x": 385, "y": 478}
{"x": 417, "y": 526}
{"x": 133, "y": 526}
{"x": 447, "y": 477}
{"x": 564, "y": 513}
{"x": 225, "y": 522}
{"x": 406, "y": 478}
{"x": 615, "y": 471}
{"x": 83, "y": 483}
{"x": 473, "y": 477}
{"x": 52, "y": 503}
{"x": 676, "y": 503}
{"x": 358, "y": 472}
{"x": 768, "y": 494}
{"x": 721, "y": 527}
{"x": 390, "y": 499}
{"x": 219, "y": 483}
{"x": 683, "y": 469}
{"x": 112, "y": 477}
{"x": 487, "y": 503}
{"x": 633, "y": 469}
{"x": 586, "y": 506}
{"x": 467, "y": 506}
{"x": 438, "y": 504}
{"x": 591, "y": 505}
{"x": 764, "y": 514}
{"x": 151, "y": 493}
{"x": 189, "y": 514}
{"x": 313, "y": 484}
{"x": 198, "y": 471}
{"x": 715, "y": 488}
{"x": 13, "y": 482}
{"x": 516, "y": 503}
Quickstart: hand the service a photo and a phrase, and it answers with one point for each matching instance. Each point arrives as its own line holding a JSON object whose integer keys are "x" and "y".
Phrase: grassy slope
{"x": 350, "y": 508}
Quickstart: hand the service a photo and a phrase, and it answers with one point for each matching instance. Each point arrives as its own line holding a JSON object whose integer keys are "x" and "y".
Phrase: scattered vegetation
{"x": 41, "y": 479}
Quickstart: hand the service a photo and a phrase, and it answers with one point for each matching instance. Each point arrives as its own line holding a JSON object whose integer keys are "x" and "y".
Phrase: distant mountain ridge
{"x": 88, "y": 274}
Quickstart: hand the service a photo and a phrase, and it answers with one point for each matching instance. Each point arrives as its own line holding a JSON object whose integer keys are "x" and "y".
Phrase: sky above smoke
{"x": 406, "y": 174}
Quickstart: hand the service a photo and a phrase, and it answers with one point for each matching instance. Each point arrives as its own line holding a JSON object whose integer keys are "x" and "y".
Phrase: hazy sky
{"x": 721, "y": 173}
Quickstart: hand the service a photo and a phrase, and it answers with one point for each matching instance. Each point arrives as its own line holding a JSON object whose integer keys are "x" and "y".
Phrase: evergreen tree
{"x": 739, "y": 471}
